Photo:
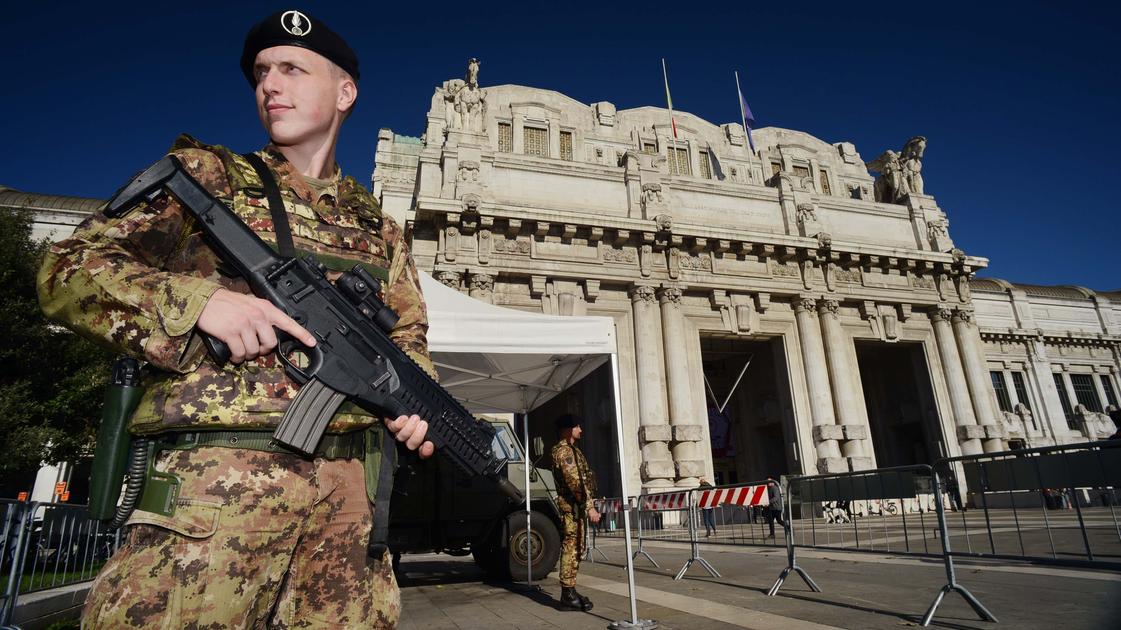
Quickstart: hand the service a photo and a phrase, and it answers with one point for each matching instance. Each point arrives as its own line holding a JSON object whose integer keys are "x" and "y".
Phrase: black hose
{"x": 137, "y": 472}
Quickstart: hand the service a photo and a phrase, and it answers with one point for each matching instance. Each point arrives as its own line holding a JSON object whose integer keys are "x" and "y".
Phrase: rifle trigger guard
{"x": 289, "y": 348}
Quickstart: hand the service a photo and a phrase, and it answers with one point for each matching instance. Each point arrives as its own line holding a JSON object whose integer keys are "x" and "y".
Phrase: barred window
{"x": 1085, "y": 393}
{"x": 1064, "y": 400}
{"x": 566, "y": 145}
{"x": 825, "y": 190}
{"x": 1107, "y": 386}
{"x": 505, "y": 137}
{"x": 679, "y": 162}
{"x": 776, "y": 168}
{"x": 1001, "y": 389}
{"x": 801, "y": 171}
{"x": 705, "y": 164}
{"x": 1021, "y": 388}
{"x": 649, "y": 147}
{"x": 536, "y": 141}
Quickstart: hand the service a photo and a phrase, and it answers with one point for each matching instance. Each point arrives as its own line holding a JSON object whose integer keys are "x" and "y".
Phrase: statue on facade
{"x": 911, "y": 160}
{"x": 891, "y": 186}
{"x": 465, "y": 102}
{"x": 900, "y": 173}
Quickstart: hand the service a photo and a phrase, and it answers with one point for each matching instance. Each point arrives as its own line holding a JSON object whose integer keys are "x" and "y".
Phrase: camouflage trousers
{"x": 573, "y": 545}
{"x": 257, "y": 540}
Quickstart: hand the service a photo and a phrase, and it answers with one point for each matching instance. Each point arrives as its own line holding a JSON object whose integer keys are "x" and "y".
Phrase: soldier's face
{"x": 577, "y": 431}
{"x": 300, "y": 94}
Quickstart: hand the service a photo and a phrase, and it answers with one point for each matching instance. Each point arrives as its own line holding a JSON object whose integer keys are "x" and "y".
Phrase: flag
{"x": 669, "y": 101}
{"x": 716, "y": 169}
{"x": 745, "y": 114}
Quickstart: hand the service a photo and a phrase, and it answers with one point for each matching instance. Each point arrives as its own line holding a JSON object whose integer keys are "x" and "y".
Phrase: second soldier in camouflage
{"x": 576, "y": 493}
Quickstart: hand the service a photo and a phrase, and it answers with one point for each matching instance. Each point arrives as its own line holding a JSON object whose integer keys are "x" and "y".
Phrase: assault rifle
{"x": 353, "y": 359}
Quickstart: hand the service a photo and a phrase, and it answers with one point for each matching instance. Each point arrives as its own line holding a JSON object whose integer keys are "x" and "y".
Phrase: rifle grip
{"x": 217, "y": 348}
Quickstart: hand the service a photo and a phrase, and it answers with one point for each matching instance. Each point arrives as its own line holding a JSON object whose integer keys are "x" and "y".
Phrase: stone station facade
{"x": 868, "y": 340}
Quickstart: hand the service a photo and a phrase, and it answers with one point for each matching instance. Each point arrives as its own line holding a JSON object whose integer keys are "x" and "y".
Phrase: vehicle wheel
{"x": 544, "y": 542}
{"x": 490, "y": 558}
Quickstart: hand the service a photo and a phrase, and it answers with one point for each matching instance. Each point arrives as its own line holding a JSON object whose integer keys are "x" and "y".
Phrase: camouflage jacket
{"x": 137, "y": 285}
{"x": 576, "y": 483}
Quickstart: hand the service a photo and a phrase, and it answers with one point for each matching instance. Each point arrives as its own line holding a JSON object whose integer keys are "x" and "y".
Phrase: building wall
{"x": 707, "y": 241}
{"x": 592, "y": 214}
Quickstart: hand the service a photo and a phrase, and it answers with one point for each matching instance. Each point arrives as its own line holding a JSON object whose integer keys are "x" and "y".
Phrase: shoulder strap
{"x": 280, "y": 223}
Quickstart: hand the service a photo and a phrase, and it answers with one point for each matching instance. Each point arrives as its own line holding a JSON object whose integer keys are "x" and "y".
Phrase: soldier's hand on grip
{"x": 245, "y": 324}
{"x": 411, "y": 430}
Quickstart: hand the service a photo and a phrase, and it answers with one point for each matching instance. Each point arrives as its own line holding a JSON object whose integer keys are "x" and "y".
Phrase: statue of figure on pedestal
{"x": 900, "y": 173}
{"x": 912, "y": 163}
{"x": 891, "y": 186}
{"x": 466, "y": 102}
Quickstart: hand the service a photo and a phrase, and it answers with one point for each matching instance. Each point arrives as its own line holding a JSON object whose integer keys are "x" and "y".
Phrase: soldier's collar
{"x": 289, "y": 177}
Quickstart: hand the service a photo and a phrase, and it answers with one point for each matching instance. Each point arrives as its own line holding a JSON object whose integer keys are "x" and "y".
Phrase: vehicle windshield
{"x": 505, "y": 445}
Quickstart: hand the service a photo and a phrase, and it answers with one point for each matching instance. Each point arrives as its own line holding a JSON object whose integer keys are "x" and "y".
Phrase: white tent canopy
{"x": 496, "y": 359}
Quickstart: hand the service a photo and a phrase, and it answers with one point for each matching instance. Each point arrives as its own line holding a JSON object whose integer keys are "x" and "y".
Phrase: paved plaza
{"x": 859, "y": 590}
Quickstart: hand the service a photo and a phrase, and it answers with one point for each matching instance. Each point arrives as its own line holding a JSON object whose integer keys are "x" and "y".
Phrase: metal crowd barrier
{"x": 1055, "y": 504}
{"x": 842, "y": 511}
{"x": 891, "y": 510}
{"x": 47, "y": 545}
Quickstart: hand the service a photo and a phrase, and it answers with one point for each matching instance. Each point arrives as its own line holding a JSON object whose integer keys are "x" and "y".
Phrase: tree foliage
{"x": 51, "y": 380}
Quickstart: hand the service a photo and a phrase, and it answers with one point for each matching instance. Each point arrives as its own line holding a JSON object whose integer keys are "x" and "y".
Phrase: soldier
{"x": 576, "y": 492}
{"x": 258, "y": 536}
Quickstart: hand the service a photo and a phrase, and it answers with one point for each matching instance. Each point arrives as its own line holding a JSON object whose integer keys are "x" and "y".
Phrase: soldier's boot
{"x": 585, "y": 603}
{"x": 570, "y": 599}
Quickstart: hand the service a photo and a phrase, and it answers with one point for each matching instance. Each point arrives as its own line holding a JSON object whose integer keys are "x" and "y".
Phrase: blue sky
{"x": 1019, "y": 101}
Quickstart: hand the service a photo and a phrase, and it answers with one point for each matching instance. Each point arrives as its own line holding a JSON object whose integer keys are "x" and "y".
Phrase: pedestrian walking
{"x": 709, "y": 517}
{"x": 775, "y": 506}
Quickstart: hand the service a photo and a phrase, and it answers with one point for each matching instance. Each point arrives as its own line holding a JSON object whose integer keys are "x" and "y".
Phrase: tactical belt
{"x": 350, "y": 445}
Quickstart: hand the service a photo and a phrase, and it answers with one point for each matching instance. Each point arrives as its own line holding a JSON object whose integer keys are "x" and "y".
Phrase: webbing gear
{"x": 381, "y": 467}
{"x": 280, "y": 223}
{"x": 350, "y": 445}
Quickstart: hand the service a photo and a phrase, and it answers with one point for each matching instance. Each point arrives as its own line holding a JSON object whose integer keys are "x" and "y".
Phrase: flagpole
{"x": 743, "y": 114}
{"x": 673, "y": 130}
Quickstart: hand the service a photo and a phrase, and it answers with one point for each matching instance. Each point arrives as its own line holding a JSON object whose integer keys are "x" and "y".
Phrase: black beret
{"x": 296, "y": 28}
{"x": 568, "y": 421}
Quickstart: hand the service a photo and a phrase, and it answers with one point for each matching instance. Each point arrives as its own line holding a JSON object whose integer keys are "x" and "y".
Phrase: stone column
{"x": 968, "y": 433}
{"x": 977, "y": 377}
{"x": 687, "y": 430}
{"x": 653, "y": 422}
{"x": 825, "y": 429}
{"x": 847, "y": 399}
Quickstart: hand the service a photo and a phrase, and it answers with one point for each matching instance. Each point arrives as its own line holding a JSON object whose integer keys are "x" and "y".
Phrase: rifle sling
{"x": 283, "y": 229}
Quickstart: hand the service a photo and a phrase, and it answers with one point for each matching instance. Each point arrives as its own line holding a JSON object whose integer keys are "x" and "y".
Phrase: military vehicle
{"x": 436, "y": 508}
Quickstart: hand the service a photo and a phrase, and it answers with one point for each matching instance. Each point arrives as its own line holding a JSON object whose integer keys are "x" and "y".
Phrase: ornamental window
{"x": 703, "y": 160}
{"x": 679, "y": 162}
{"x": 505, "y": 137}
{"x": 566, "y": 145}
{"x": 1064, "y": 400}
{"x": 1001, "y": 389}
{"x": 1107, "y": 387}
{"x": 536, "y": 141}
{"x": 824, "y": 178}
{"x": 1085, "y": 393}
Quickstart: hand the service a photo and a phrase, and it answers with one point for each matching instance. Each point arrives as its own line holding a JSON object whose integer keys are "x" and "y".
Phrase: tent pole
{"x": 635, "y": 622}
{"x": 528, "y": 511}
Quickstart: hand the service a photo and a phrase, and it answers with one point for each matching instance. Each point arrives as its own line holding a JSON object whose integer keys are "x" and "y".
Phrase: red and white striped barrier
{"x": 609, "y": 506}
{"x": 743, "y": 496}
{"x": 666, "y": 501}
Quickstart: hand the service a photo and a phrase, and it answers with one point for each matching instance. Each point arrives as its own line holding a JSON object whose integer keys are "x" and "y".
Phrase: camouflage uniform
{"x": 254, "y": 533}
{"x": 576, "y": 492}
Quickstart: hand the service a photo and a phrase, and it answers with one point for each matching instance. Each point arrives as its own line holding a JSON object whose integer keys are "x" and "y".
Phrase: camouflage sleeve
{"x": 404, "y": 297}
{"x": 564, "y": 461}
{"x": 108, "y": 280}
